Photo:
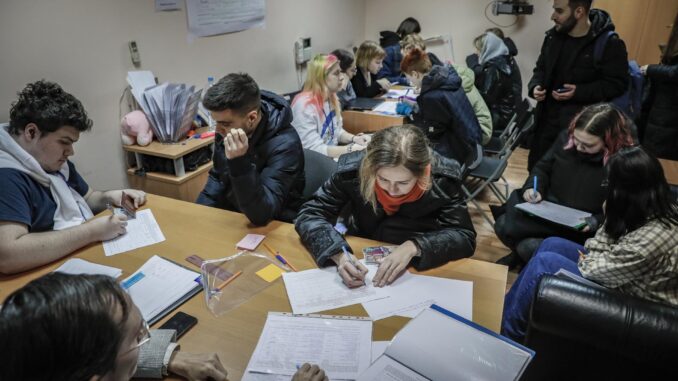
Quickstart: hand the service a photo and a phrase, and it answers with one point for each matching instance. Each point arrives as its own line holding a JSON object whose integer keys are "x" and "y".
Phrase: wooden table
{"x": 670, "y": 170}
{"x": 367, "y": 121}
{"x": 212, "y": 233}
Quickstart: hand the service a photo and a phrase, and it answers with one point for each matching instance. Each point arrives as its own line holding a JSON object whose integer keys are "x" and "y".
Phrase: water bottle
{"x": 210, "y": 121}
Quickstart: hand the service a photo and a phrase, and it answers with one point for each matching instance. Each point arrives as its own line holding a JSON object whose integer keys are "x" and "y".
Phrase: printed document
{"x": 212, "y": 17}
{"x": 317, "y": 290}
{"x": 141, "y": 231}
{"x": 76, "y": 266}
{"x": 340, "y": 344}
{"x": 412, "y": 293}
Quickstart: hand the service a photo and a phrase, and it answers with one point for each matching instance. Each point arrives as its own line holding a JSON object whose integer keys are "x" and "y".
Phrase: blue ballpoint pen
{"x": 534, "y": 187}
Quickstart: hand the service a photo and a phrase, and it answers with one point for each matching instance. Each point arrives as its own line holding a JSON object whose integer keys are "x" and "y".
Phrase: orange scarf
{"x": 392, "y": 204}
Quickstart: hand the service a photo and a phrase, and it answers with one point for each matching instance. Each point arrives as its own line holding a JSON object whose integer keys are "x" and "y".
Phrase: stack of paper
{"x": 78, "y": 266}
{"x": 341, "y": 345}
{"x": 159, "y": 286}
{"x": 170, "y": 108}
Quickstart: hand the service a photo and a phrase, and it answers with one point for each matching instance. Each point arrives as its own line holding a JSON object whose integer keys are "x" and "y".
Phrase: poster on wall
{"x": 212, "y": 17}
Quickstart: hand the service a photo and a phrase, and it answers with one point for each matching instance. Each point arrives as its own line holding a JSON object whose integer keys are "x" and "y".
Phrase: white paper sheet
{"x": 212, "y": 17}
{"x": 317, "y": 290}
{"x": 387, "y": 369}
{"x": 160, "y": 285}
{"x": 141, "y": 231}
{"x": 388, "y": 108}
{"x": 397, "y": 93}
{"x": 77, "y": 266}
{"x": 341, "y": 345}
{"x": 556, "y": 213}
{"x": 140, "y": 81}
{"x": 378, "y": 348}
{"x": 411, "y": 293}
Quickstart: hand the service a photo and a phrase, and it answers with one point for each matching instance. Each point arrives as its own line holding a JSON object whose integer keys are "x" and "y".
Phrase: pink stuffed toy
{"x": 136, "y": 125}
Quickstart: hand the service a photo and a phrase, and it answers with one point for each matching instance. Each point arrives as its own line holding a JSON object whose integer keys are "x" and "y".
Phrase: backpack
{"x": 630, "y": 101}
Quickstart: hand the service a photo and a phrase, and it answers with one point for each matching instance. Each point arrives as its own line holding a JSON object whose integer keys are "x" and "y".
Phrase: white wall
{"x": 464, "y": 20}
{"x": 82, "y": 45}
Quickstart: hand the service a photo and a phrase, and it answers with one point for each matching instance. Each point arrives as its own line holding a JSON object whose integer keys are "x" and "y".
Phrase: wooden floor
{"x": 489, "y": 248}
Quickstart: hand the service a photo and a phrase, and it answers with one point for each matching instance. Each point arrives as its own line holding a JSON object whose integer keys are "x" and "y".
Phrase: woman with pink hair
{"x": 317, "y": 112}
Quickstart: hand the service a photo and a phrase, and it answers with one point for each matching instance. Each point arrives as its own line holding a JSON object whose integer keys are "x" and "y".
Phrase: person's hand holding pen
{"x": 351, "y": 271}
{"x": 532, "y": 195}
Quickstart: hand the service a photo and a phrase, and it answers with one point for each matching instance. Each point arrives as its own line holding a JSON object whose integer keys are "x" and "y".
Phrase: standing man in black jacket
{"x": 258, "y": 158}
{"x": 566, "y": 78}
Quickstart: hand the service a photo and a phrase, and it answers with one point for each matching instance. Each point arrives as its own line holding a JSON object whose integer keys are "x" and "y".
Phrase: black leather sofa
{"x": 584, "y": 333}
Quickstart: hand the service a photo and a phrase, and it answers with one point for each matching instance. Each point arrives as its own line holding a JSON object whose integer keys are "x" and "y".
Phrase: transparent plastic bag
{"x": 229, "y": 282}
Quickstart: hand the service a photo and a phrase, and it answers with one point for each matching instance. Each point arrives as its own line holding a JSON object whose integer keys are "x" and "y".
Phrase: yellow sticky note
{"x": 270, "y": 273}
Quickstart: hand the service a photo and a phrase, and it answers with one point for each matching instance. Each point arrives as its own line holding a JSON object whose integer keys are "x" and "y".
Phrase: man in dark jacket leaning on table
{"x": 258, "y": 158}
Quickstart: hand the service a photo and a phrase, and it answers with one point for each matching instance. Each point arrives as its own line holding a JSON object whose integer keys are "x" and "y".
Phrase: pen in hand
{"x": 350, "y": 260}
{"x": 534, "y": 187}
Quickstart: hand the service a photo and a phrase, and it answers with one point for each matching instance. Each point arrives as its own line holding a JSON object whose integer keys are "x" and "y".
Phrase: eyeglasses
{"x": 143, "y": 337}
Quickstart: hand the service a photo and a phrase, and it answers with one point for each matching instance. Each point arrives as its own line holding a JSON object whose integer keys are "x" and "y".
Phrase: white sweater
{"x": 309, "y": 124}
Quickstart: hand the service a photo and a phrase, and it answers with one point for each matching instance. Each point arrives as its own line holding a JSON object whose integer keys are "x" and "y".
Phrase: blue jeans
{"x": 552, "y": 255}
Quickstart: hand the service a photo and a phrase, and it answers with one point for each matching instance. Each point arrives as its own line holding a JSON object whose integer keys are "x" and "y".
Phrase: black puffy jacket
{"x": 661, "y": 112}
{"x": 268, "y": 181}
{"x": 446, "y": 115}
{"x": 495, "y": 83}
{"x": 596, "y": 82}
{"x": 438, "y": 223}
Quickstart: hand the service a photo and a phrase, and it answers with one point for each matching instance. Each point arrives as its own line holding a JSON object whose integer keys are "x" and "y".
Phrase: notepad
{"x": 441, "y": 345}
{"x": 559, "y": 214}
{"x": 342, "y": 345}
{"x": 141, "y": 231}
{"x": 159, "y": 286}
{"x": 250, "y": 242}
{"x": 76, "y": 266}
{"x": 270, "y": 273}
